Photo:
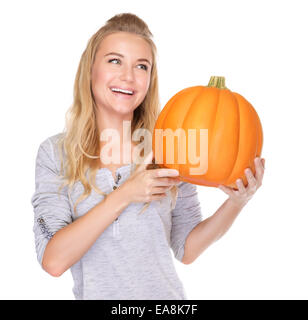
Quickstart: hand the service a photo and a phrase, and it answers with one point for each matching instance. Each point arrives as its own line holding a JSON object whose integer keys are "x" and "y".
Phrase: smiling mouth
{"x": 122, "y": 94}
{"x": 124, "y": 90}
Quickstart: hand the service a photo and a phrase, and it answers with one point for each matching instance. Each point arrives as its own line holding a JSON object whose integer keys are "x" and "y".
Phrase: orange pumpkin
{"x": 234, "y": 134}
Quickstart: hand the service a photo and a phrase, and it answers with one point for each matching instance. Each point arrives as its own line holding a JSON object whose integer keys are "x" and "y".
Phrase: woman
{"x": 90, "y": 223}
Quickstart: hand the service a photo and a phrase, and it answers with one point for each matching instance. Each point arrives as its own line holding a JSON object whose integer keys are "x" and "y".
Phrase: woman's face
{"x": 123, "y": 61}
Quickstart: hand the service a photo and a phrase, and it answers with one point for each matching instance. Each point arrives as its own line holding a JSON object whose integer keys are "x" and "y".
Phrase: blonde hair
{"x": 80, "y": 139}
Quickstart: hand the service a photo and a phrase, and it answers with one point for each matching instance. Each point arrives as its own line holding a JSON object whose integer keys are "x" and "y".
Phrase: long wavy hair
{"x": 79, "y": 144}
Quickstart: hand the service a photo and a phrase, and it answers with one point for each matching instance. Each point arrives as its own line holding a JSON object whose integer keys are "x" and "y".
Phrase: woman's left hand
{"x": 241, "y": 196}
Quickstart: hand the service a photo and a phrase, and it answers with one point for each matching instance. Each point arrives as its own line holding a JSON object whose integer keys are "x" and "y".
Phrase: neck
{"x": 115, "y": 132}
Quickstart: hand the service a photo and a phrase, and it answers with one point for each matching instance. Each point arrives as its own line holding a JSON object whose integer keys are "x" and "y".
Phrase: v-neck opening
{"x": 119, "y": 169}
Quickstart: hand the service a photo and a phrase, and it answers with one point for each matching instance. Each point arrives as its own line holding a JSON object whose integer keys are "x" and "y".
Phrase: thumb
{"x": 145, "y": 162}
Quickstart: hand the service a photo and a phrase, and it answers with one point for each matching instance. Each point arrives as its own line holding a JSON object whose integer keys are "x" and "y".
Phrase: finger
{"x": 160, "y": 189}
{"x": 159, "y": 173}
{"x": 252, "y": 182}
{"x": 146, "y": 161}
{"x": 240, "y": 186}
{"x": 226, "y": 190}
{"x": 157, "y": 196}
{"x": 165, "y": 182}
{"x": 259, "y": 170}
{"x": 263, "y": 163}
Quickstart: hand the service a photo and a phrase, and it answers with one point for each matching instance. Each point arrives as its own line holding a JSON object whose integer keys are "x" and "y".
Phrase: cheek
{"x": 145, "y": 83}
{"x": 99, "y": 76}
{"x": 99, "y": 80}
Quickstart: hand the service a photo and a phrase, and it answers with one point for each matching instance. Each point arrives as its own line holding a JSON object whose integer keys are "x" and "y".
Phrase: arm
{"x": 210, "y": 230}
{"x": 70, "y": 243}
{"x": 59, "y": 241}
{"x": 214, "y": 227}
{"x": 185, "y": 217}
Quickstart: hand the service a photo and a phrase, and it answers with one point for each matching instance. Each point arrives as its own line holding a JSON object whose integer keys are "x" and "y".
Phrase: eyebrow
{"x": 121, "y": 55}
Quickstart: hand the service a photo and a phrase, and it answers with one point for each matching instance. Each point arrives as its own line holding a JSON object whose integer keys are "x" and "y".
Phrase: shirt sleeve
{"x": 186, "y": 215}
{"x": 52, "y": 211}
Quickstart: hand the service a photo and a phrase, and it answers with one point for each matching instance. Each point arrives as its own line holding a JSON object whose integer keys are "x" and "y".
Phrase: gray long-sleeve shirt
{"x": 132, "y": 258}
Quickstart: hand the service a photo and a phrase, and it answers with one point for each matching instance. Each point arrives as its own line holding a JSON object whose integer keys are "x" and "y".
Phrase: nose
{"x": 127, "y": 73}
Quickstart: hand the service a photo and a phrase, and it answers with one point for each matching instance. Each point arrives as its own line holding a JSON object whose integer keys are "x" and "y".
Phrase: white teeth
{"x": 121, "y": 90}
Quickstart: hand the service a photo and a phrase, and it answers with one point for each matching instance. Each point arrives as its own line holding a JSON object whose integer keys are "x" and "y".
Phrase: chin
{"x": 123, "y": 110}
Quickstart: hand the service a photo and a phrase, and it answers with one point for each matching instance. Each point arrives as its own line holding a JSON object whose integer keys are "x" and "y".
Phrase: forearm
{"x": 70, "y": 243}
{"x": 210, "y": 230}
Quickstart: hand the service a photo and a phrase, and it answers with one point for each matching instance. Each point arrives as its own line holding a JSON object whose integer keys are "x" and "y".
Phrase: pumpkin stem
{"x": 217, "y": 82}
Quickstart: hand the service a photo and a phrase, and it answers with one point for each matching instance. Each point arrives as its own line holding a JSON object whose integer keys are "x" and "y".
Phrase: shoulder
{"x": 51, "y": 142}
{"x": 48, "y": 150}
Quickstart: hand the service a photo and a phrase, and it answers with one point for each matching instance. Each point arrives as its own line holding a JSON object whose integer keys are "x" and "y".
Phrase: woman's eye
{"x": 113, "y": 60}
{"x": 143, "y": 65}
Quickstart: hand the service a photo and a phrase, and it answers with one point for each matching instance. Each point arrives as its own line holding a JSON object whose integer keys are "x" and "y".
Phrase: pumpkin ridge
{"x": 239, "y": 135}
{"x": 203, "y": 112}
{"x": 165, "y": 117}
{"x": 172, "y": 103}
{"x": 212, "y": 129}
{"x": 247, "y": 115}
{"x": 220, "y": 150}
{"x": 198, "y": 94}
{"x": 178, "y": 165}
{"x": 215, "y": 120}
{"x": 193, "y": 101}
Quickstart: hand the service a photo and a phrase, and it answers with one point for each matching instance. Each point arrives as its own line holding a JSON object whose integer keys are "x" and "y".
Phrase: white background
{"x": 260, "y": 47}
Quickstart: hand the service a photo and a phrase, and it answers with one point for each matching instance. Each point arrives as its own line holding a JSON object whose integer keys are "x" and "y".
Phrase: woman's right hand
{"x": 148, "y": 185}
